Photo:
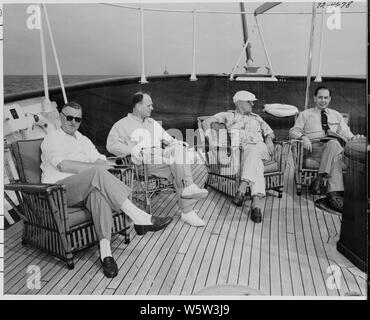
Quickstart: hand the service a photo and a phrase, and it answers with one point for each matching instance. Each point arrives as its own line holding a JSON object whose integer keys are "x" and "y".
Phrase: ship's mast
{"x": 245, "y": 33}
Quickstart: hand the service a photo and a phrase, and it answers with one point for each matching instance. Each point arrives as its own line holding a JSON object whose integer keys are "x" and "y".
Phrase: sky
{"x": 97, "y": 39}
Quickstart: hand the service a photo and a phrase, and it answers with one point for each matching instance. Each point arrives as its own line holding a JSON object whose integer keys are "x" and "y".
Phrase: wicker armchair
{"x": 224, "y": 165}
{"x": 48, "y": 224}
{"x": 145, "y": 185}
{"x": 305, "y": 169}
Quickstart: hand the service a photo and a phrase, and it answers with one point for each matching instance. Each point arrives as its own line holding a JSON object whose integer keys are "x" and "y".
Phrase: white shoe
{"x": 192, "y": 219}
{"x": 193, "y": 192}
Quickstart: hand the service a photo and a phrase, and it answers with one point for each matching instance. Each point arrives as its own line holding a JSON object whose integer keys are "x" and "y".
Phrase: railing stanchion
{"x": 193, "y": 76}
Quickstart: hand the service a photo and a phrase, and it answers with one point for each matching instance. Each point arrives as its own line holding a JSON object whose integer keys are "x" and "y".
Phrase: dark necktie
{"x": 324, "y": 121}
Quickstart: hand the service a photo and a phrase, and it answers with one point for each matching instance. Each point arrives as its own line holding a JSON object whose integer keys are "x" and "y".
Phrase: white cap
{"x": 244, "y": 96}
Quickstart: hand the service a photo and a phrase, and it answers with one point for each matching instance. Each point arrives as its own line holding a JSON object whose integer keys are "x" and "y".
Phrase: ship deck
{"x": 291, "y": 253}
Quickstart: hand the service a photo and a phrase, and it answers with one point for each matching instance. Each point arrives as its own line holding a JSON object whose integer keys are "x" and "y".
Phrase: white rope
{"x": 318, "y": 76}
{"x": 264, "y": 47}
{"x": 43, "y": 57}
{"x": 193, "y": 76}
{"x": 237, "y": 63}
{"x": 143, "y": 78}
{"x": 55, "y": 54}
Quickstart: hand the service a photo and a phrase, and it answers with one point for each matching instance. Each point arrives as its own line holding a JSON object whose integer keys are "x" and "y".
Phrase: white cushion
{"x": 281, "y": 110}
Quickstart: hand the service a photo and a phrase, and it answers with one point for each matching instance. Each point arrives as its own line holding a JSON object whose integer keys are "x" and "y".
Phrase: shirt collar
{"x": 326, "y": 110}
{"x": 136, "y": 118}
{"x": 75, "y": 136}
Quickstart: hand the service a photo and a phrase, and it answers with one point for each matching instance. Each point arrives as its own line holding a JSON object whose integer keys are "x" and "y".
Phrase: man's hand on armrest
{"x": 306, "y": 143}
{"x": 357, "y": 137}
{"x": 270, "y": 145}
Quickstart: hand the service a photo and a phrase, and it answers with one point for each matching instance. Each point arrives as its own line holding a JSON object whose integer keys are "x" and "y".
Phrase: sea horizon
{"x": 22, "y": 83}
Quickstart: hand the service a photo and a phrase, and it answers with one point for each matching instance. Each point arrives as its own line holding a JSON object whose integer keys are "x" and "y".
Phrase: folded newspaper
{"x": 333, "y": 135}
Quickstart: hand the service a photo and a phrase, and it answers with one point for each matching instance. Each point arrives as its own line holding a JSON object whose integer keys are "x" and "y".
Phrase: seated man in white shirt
{"x": 70, "y": 158}
{"x": 142, "y": 137}
{"x": 314, "y": 127}
{"x": 255, "y": 136}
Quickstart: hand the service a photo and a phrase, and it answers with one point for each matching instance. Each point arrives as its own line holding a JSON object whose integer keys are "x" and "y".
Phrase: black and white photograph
{"x": 184, "y": 150}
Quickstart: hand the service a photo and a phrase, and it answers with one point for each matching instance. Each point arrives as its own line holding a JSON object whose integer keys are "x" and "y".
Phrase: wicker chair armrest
{"x": 121, "y": 162}
{"x": 34, "y": 188}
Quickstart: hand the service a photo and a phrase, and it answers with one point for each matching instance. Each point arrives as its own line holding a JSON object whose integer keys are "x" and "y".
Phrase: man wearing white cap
{"x": 255, "y": 136}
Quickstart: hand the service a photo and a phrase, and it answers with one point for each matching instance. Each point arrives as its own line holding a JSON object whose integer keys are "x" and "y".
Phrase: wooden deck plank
{"x": 274, "y": 249}
{"x": 255, "y": 260}
{"x": 146, "y": 280}
{"x": 220, "y": 228}
{"x": 324, "y": 234}
{"x": 130, "y": 279}
{"x": 171, "y": 275}
{"x": 230, "y": 227}
{"x": 268, "y": 248}
{"x": 200, "y": 283}
{"x": 315, "y": 269}
{"x": 144, "y": 277}
{"x": 297, "y": 280}
{"x": 304, "y": 264}
{"x": 129, "y": 257}
{"x": 320, "y": 270}
{"x": 237, "y": 250}
{"x": 359, "y": 278}
{"x": 283, "y": 253}
{"x": 202, "y": 237}
{"x": 16, "y": 273}
{"x": 188, "y": 250}
{"x": 245, "y": 263}
{"x": 287, "y": 254}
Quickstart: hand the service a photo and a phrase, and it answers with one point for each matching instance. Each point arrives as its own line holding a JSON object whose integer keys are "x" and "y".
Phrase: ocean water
{"x": 21, "y": 83}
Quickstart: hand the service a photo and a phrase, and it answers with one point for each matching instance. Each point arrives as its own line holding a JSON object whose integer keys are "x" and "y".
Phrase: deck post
{"x": 318, "y": 76}
{"x": 193, "y": 76}
{"x": 55, "y": 55}
{"x": 310, "y": 53}
{"x": 43, "y": 57}
{"x": 143, "y": 78}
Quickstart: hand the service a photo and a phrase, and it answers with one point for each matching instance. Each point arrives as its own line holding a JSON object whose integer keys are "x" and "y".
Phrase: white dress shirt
{"x": 58, "y": 146}
{"x": 132, "y": 130}
{"x": 308, "y": 123}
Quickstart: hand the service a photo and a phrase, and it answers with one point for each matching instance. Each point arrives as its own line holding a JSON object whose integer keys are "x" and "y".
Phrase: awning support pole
{"x": 318, "y": 76}
{"x": 193, "y": 76}
{"x": 55, "y": 55}
{"x": 43, "y": 57}
{"x": 309, "y": 65}
{"x": 143, "y": 78}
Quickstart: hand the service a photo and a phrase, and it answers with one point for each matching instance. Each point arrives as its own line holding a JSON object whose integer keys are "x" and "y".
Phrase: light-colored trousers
{"x": 178, "y": 173}
{"x": 100, "y": 192}
{"x": 329, "y": 159}
{"x": 252, "y": 168}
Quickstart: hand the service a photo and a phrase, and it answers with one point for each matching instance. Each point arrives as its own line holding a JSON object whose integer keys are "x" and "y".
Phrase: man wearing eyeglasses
{"x": 71, "y": 159}
{"x": 324, "y": 132}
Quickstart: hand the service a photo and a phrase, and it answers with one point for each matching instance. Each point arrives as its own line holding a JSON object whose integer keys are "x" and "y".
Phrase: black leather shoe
{"x": 110, "y": 267}
{"x": 238, "y": 199}
{"x": 256, "y": 215}
{"x": 317, "y": 185}
{"x": 334, "y": 201}
{"x": 158, "y": 223}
